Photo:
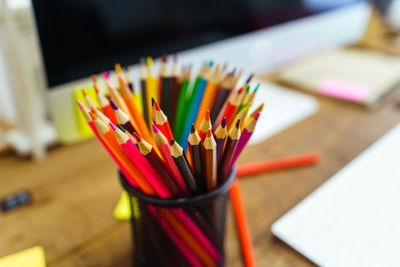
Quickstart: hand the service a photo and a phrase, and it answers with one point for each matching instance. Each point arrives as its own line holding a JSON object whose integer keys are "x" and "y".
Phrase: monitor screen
{"x": 81, "y": 37}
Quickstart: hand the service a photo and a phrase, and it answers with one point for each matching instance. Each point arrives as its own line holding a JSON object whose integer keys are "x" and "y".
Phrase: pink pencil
{"x": 140, "y": 162}
{"x": 197, "y": 233}
{"x": 85, "y": 112}
{"x": 165, "y": 150}
{"x": 245, "y": 137}
{"x": 186, "y": 251}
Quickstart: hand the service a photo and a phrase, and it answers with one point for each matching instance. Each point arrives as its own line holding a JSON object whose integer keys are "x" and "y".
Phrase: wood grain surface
{"x": 76, "y": 188}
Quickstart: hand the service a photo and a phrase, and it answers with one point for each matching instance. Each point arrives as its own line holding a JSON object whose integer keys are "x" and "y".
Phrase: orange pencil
{"x": 242, "y": 225}
{"x": 138, "y": 120}
{"x": 209, "y": 95}
{"x": 111, "y": 141}
{"x": 277, "y": 164}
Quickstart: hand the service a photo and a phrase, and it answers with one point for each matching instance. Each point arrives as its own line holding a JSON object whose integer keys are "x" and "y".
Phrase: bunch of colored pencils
{"x": 149, "y": 148}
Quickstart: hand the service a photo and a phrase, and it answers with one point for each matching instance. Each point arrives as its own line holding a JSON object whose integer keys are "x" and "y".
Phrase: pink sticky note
{"x": 343, "y": 89}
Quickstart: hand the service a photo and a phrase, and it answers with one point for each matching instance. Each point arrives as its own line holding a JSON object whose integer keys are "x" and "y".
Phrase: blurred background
{"x": 47, "y": 45}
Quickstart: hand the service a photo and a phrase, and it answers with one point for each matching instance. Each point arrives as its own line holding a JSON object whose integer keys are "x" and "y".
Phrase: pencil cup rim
{"x": 179, "y": 202}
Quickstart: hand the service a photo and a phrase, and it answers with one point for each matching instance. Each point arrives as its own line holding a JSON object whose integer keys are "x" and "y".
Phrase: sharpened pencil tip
{"x": 207, "y": 116}
{"x": 152, "y": 101}
{"x": 94, "y": 117}
{"x": 137, "y": 137}
{"x": 96, "y": 88}
{"x": 192, "y": 129}
{"x": 155, "y": 129}
{"x": 121, "y": 128}
{"x": 257, "y": 115}
{"x": 172, "y": 142}
{"x": 83, "y": 92}
{"x": 237, "y": 123}
{"x": 223, "y": 123}
{"x": 157, "y": 106}
{"x": 113, "y": 127}
{"x": 209, "y": 133}
{"x": 257, "y": 86}
{"x": 250, "y": 78}
{"x": 114, "y": 106}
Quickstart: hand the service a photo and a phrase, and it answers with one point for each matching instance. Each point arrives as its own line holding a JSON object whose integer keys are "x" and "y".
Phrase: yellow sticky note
{"x": 82, "y": 124}
{"x": 123, "y": 210}
{"x": 33, "y": 257}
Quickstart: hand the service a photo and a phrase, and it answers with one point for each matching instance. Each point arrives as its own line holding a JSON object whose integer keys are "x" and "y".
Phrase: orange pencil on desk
{"x": 277, "y": 164}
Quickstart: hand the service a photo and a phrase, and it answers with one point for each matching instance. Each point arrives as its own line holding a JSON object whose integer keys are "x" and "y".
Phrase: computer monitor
{"x": 82, "y": 37}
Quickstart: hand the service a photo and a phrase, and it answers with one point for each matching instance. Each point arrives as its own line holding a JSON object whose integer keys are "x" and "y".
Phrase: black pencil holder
{"x": 179, "y": 232}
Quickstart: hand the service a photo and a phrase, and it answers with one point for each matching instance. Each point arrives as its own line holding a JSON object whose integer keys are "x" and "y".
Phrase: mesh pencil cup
{"x": 179, "y": 232}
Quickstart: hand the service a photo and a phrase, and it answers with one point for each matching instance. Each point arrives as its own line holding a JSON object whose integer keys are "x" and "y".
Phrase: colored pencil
{"x": 105, "y": 105}
{"x": 194, "y": 103}
{"x": 229, "y": 150}
{"x": 195, "y": 149}
{"x": 210, "y": 161}
{"x": 117, "y": 159}
{"x": 143, "y": 76}
{"x": 88, "y": 100}
{"x": 277, "y": 164}
{"x": 251, "y": 96}
{"x": 253, "y": 114}
{"x": 182, "y": 100}
{"x": 122, "y": 118}
{"x": 138, "y": 121}
{"x": 205, "y": 125}
{"x": 242, "y": 225}
{"x": 106, "y": 133}
{"x": 161, "y": 121}
{"x": 141, "y": 163}
{"x": 183, "y": 166}
{"x": 152, "y": 157}
{"x": 231, "y": 107}
{"x": 165, "y": 85}
{"x": 245, "y": 137}
{"x": 164, "y": 148}
{"x": 220, "y": 136}
{"x": 222, "y": 95}
{"x": 175, "y": 89}
{"x": 210, "y": 93}
{"x": 240, "y": 115}
{"x": 151, "y": 87}
{"x": 115, "y": 96}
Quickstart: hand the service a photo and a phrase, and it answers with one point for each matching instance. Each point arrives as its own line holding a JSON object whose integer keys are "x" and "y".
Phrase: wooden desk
{"x": 76, "y": 188}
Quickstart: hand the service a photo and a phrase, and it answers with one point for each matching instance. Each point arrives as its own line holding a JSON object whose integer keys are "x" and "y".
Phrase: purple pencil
{"x": 220, "y": 135}
{"x": 245, "y": 137}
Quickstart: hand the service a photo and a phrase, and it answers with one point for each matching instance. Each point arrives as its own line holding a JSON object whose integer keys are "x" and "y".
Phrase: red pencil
{"x": 231, "y": 107}
{"x": 165, "y": 150}
{"x": 161, "y": 122}
{"x": 151, "y": 155}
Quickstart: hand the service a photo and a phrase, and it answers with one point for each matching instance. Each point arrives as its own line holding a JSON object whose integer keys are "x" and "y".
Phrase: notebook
{"x": 353, "y": 219}
{"x": 356, "y": 75}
